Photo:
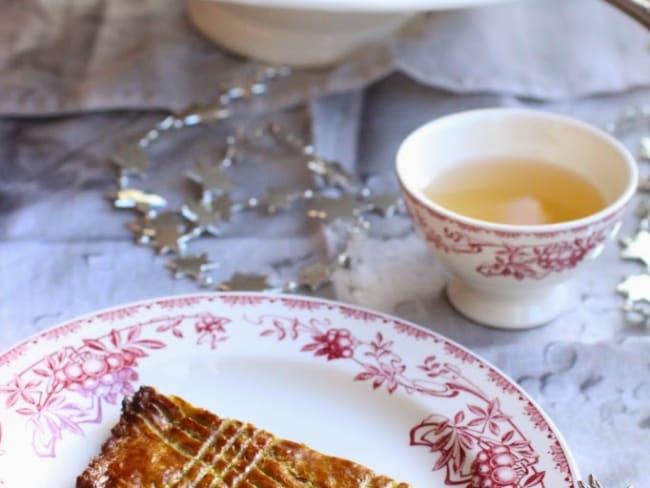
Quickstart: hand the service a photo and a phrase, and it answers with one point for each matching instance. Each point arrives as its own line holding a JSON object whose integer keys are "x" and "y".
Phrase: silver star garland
{"x": 172, "y": 232}
{"x": 223, "y": 107}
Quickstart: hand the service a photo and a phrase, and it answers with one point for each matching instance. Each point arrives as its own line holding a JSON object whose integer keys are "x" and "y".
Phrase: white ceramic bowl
{"x": 513, "y": 276}
{"x": 306, "y": 32}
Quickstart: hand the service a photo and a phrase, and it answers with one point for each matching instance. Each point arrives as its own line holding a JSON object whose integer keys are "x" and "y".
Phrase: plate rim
{"x": 36, "y": 338}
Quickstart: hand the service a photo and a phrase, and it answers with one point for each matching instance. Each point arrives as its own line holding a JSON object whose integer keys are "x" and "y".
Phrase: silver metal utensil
{"x": 592, "y": 482}
{"x": 637, "y": 9}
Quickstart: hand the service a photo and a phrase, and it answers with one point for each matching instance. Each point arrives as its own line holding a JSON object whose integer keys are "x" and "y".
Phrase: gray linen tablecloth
{"x": 64, "y": 251}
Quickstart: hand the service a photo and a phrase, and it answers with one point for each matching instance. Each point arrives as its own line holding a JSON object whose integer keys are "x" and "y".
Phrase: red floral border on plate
{"x": 68, "y": 388}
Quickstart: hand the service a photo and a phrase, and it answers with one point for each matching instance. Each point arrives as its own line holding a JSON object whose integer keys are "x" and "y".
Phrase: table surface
{"x": 64, "y": 250}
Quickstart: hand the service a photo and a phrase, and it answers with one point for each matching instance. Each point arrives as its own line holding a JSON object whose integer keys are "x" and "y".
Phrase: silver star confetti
{"x": 636, "y": 288}
{"x": 637, "y": 247}
{"x": 204, "y": 217}
{"x": 245, "y": 282}
{"x": 332, "y": 209}
{"x": 131, "y": 160}
{"x": 211, "y": 177}
{"x": 138, "y": 199}
{"x": 194, "y": 267}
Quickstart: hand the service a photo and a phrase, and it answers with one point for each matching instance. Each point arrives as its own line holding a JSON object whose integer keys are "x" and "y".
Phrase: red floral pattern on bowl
{"x": 503, "y": 275}
{"x": 510, "y": 255}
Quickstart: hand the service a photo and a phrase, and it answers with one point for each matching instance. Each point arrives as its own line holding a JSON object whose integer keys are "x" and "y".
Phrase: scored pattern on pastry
{"x": 166, "y": 442}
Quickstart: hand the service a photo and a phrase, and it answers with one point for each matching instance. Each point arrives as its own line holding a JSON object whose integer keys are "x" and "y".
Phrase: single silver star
{"x": 204, "y": 217}
{"x": 138, "y": 199}
{"x": 315, "y": 276}
{"x": 211, "y": 177}
{"x": 344, "y": 207}
{"x": 637, "y": 247}
{"x": 245, "y": 282}
{"x": 149, "y": 225}
{"x": 131, "y": 159}
{"x": 386, "y": 205}
{"x": 636, "y": 288}
{"x": 193, "y": 266}
{"x": 170, "y": 239}
{"x": 278, "y": 199}
{"x": 224, "y": 206}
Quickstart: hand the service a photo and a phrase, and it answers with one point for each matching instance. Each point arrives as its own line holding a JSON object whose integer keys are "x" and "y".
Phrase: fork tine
{"x": 592, "y": 483}
{"x": 595, "y": 482}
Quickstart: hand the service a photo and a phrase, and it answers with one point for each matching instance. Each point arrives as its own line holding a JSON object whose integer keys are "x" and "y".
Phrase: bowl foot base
{"x": 508, "y": 311}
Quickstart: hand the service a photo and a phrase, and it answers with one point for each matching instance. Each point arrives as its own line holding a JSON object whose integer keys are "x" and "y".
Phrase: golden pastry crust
{"x": 163, "y": 441}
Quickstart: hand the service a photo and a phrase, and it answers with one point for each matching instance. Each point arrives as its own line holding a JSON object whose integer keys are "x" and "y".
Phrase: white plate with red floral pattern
{"x": 345, "y": 380}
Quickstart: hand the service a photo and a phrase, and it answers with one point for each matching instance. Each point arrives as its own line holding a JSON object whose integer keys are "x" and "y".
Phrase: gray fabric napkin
{"x": 64, "y": 56}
